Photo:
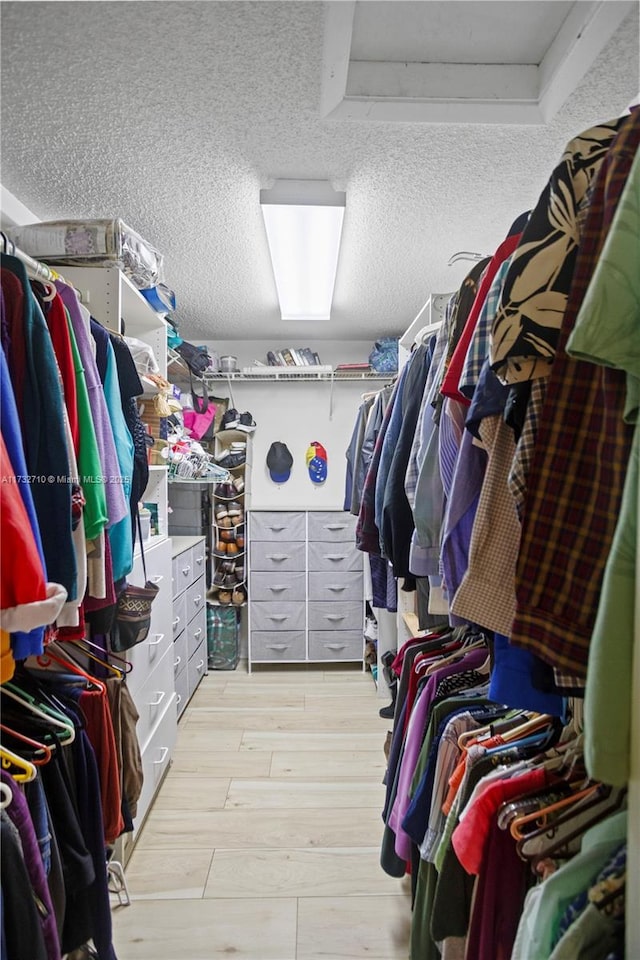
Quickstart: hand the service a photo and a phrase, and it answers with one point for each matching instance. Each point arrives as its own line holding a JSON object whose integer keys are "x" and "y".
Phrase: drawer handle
{"x": 336, "y": 587}
{"x": 176, "y": 621}
{"x": 157, "y": 578}
{"x": 197, "y": 599}
{"x": 161, "y": 694}
{"x": 196, "y": 633}
{"x": 336, "y": 526}
{"x": 200, "y": 666}
{"x": 278, "y": 646}
{"x": 178, "y": 699}
{"x": 177, "y": 662}
{"x": 159, "y": 638}
{"x": 278, "y": 617}
{"x": 335, "y": 556}
{"x": 335, "y": 616}
{"x": 163, "y": 755}
{"x": 278, "y": 557}
{"x": 335, "y": 646}
{"x": 199, "y": 561}
{"x": 279, "y": 588}
{"x": 186, "y": 571}
{"x": 277, "y": 529}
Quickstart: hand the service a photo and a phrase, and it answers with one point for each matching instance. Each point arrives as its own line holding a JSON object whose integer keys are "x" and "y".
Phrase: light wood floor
{"x": 264, "y": 841}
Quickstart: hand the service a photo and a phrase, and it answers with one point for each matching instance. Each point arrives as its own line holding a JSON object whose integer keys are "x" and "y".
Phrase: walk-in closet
{"x": 319, "y": 551}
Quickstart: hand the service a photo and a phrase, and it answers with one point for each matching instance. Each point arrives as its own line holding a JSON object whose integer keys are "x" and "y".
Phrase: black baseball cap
{"x": 279, "y": 462}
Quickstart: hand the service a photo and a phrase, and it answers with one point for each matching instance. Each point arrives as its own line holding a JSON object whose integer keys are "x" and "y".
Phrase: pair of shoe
{"x": 229, "y": 548}
{"x": 229, "y": 567}
{"x": 232, "y": 420}
{"x": 224, "y": 511}
{"x": 237, "y": 597}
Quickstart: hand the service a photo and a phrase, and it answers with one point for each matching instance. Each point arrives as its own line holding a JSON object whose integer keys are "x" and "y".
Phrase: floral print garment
{"x": 536, "y": 288}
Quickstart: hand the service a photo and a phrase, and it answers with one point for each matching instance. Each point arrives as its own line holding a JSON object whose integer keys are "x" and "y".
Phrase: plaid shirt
{"x": 479, "y": 347}
{"x": 579, "y": 464}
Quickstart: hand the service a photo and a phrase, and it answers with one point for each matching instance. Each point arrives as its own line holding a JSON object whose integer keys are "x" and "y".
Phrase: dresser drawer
{"x": 199, "y": 558}
{"x": 179, "y": 619}
{"x": 182, "y": 691}
{"x": 184, "y": 570}
{"x": 340, "y": 645}
{"x": 151, "y": 700}
{"x": 278, "y": 615}
{"x": 332, "y": 527}
{"x": 338, "y": 556}
{"x": 196, "y": 598}
{"x": 272, "y": 645}
{"x": 329, "y": 586}
{"x": 270, "y": 586}
{"x": 180, "y": 654}
{"x": 156, "y": 758}
{"x": 278, "y": 526}
{"x": 339, "y": 615}
{"x": 276, "y": 557}
{"x": 197, "y": 667}
{"x": 196, "y": 632}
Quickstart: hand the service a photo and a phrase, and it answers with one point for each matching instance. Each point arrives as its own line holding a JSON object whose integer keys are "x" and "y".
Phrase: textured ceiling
{"x": 173, "y": 115}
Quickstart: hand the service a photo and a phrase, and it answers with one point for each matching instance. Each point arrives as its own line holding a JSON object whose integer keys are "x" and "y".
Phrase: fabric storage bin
{"x": 223, "y": 629}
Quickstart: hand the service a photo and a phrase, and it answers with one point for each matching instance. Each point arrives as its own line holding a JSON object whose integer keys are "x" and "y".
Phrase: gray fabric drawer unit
{"x": 329, "y": 526}
{"x": 335, "y": 586}
{"x": 273, "y": 645}
{"x": 277, "y": 556}
{"x": 339, "y": 645}
{"x": 274, "y": 525}
{"x": 271, "y": 586}
{"x": 278, "y": 615}
{"x": 334, "y": 556}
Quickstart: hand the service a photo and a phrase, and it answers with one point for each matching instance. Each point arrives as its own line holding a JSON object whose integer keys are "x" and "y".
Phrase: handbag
{"x": 196, "y": 358}
{"x": 199, "y": 420}
{"x": 133, "y": 612}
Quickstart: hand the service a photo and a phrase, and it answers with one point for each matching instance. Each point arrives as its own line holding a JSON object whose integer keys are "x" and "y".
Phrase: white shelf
{"x": 297, "y": 375}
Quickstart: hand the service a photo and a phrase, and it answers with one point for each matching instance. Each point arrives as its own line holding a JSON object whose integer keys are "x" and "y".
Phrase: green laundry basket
{"x": 223, "y": 632}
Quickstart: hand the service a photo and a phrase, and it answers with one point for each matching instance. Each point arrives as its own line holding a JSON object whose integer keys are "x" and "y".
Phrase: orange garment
{"x": 7, "y": 663}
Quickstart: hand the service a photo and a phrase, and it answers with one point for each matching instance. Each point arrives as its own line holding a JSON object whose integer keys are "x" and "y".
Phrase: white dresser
{"x": 306, "y": 587}
{"x": 189, "y": 624}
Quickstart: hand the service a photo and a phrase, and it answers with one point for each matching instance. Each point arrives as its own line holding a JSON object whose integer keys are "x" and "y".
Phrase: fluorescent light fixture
{"x": 303, "y": 219}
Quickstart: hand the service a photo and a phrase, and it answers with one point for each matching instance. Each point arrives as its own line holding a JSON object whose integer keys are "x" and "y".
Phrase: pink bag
{"x": 199, "y": 420}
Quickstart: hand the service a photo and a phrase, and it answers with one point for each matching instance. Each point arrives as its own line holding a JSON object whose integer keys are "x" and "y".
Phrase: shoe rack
{"x": 228, "y": 586}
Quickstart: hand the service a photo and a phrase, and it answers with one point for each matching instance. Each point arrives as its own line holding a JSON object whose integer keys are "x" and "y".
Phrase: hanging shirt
{"x": 536, "y": 289}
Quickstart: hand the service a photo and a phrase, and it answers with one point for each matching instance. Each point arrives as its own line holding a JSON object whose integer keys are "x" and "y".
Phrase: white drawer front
{"x": 179, "y": 619}
{"x": 278, "y": 557}
{"x": 182, "y": 692}
{"x": 278, "y": 615}
{"x": 346, "y": 615}
{"x": 184, "y": 570}
{"x": 180, "y": 654}
{"x": 196, "y": 632}
{"x": 156, "y": 758}
{"x": 338, "y": 556}
{"x": 199, "y": 557}
{"x": 151, "y": 700}
{"x": 197, "y": 667}
{"x": 196, "y": 598}
{"x": 331, "y": 586}
{"x": 274, "y": 525}
{"x": 271, "y": 586}
{"x": 340, "y": 645}
{"x": 174, "y": 577}
{"x": 270, "y": 645}
{"x": 332, "y": 527}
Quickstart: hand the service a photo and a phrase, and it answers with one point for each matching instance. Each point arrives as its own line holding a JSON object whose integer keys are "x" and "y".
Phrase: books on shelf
{"x": 358, "y": 367}
{"x": 293, "y": 357}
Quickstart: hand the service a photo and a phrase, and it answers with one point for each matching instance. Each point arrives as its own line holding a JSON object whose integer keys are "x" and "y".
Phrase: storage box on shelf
{"x": 306, "y": 587}
{"x": 189, "y": 635}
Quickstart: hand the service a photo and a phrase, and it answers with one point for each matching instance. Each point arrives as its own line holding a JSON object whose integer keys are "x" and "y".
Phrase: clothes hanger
{"x": 9, "y": 759}
{"x": 466, "y": 255}
{"x": 45, "y": 659}
{"x": 127, "y": 665}
{"x": 40, "y": 747}
{"x": 117, "y": 671}
{"x": 493, "y": 729}
{"x": 456, "y": 655}
{"x": 572, "y": 825}
{"x": 515, "y": 827}
{"x": 45, "y": 712}
{"x": 6, "y": 795}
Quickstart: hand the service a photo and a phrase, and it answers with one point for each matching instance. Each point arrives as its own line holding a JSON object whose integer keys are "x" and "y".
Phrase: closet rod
{"x": 466, "y": 255}
{"x": 40, "y": 270}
